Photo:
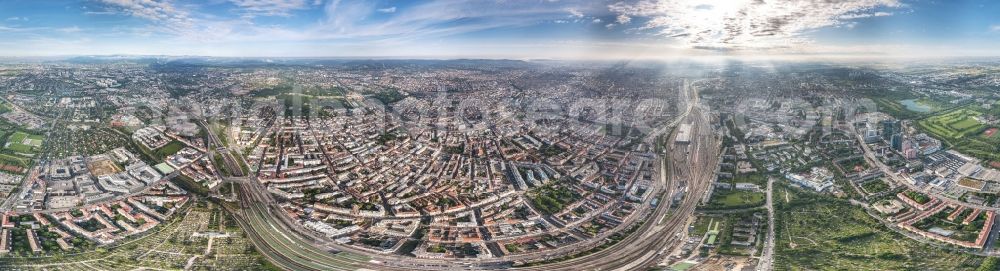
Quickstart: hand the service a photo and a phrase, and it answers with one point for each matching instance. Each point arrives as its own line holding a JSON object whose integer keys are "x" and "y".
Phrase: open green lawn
{"x": 937, "y": 129}
{"x": 735, "y": 199}
{"x": 953, "y": 124}
{"x": 4, "y": 108}
{"x": 959, "y": 129}
{"x": 820, "y": 232}
{"x": 14, "y": 160}
{"x": 681, "y": 266}
{"x": 965, "y": 124}
{"x": 754, "y": 178}
{"x": 700, "y": 225}
{"x": 170, "y": 149}
{"x": 24, "y": 143}
{"x": 219, "y": 128}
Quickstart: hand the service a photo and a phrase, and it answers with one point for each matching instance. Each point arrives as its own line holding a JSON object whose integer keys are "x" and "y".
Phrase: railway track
{"x": 642, "y": 249}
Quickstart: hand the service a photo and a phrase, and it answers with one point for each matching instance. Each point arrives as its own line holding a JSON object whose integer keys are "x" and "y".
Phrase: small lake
{"x": 913, "y": 105}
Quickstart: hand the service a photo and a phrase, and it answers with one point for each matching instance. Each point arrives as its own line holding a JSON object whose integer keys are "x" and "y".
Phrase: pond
{"x": 915, "y": 106}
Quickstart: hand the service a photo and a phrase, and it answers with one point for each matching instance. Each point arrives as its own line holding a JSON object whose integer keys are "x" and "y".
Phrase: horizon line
{"x": 763, "y": 57}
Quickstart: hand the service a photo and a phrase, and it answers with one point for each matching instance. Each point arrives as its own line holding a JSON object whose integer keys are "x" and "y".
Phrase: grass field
{"x": 219, "y": 128}
{"x": 735, "y": 199}
{"x": 682, "y": 266}
{"x": 959, "y": 129}
{"x": 965, "y": 124}
{"x": 754, "y": 178}
{"x": 953, "y": 124}
{"x": 14, "y": 160}
{"x": 169, "y": 149}
{"x": 819, "y": 232}
{"x": 24, "y": 143}
{"x": 4, "y": 108}
{"x": 700, "y": 225}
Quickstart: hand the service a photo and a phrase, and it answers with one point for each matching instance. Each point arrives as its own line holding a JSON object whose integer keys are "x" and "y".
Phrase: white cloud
{"x": 623, "y": 19}
{"x": 171, "y": 18}
{"x": 736, "y": 24}
{"x": 71, "y": 29}
{"x": 995, "y": 28}
{"x": 18, "y": 29}
{"x": 17, "y": 19}
{"x": 574, "y": 13}
{"x": 851, "y": 16}
{"x": 345, "y": 20}
{"x": 270, "y": 7}
{"x": 99, "y": 13}
{"x": 342, "y": 24}
{"x": 433, "y": 19}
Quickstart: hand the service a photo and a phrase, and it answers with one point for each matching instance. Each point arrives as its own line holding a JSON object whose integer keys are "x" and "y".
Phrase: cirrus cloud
{"x": 165, "y": 12}
{"x": 387, "y": 10}
{"x": 253, "y": 8}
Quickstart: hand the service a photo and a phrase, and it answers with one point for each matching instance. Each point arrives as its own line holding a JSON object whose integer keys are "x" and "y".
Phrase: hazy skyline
{"x": 557, "y": 29}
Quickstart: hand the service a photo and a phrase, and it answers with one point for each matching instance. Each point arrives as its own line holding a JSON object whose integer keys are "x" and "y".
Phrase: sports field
{"x": 24, "y": 143}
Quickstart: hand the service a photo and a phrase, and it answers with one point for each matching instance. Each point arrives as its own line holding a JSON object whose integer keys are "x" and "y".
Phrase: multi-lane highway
{"x": 689, "y": 167}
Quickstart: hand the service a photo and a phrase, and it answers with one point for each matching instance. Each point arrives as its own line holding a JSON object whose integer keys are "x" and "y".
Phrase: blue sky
{"x": 501, "y": 28}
